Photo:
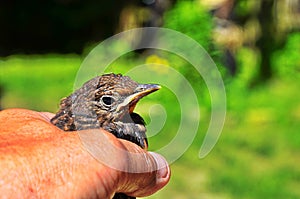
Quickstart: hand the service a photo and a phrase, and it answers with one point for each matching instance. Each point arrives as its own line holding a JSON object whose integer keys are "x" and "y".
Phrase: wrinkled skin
{"x": 39, "y": 160}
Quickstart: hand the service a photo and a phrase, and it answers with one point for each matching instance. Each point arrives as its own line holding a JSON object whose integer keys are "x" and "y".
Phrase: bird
{"x": 106, "y": 102}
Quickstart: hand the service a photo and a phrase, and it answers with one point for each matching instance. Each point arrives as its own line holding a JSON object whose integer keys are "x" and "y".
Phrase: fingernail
{"x": 162, "y": 166}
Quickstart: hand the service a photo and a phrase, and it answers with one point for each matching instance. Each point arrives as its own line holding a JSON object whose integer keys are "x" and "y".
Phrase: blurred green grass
{"x": 257, "y": 155}
{"x": 37, "y": 82}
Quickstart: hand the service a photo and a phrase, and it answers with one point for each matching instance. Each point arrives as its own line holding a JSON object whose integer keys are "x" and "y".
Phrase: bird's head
{"x": 104, "y": 99}
{"x": 116, "y": 96}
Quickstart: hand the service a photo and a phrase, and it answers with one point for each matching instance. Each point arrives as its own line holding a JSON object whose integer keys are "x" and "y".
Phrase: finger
{"x": 139, "y": 173}
{"x": 47, "y": 115}
{"x": 163, "y": 173}
{"x": 24, "y": 114}
{"x": 147, "y": 173}
{"x": 27, "y": 123}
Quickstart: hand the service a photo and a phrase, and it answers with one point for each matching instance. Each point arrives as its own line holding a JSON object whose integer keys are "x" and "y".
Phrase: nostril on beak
{"x": 147, "y": 88}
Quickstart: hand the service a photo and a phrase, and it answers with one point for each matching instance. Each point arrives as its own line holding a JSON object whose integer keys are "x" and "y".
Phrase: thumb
{"x": 148, "y": 172}
{"x": 138, "y": 172}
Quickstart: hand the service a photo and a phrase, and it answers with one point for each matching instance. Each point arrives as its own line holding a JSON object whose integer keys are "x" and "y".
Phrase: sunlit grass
{"x": 257, "y": 155}
{"x": 37, "y": 82}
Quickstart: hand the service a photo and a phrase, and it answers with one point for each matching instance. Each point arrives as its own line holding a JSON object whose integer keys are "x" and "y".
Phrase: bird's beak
{"x": 141, "y": 91}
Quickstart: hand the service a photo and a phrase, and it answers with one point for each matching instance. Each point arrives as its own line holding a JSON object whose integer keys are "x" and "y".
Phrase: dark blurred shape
{"x": 267, "y": 42}
{"x": 148, "y": 2}
{"x": 225, "y": 30}
{"x": 54, "y": 26}
{"x": 148, "y": 13}
{"x": 263, "y": 26}
{"x": 60, "y": 26}
{"x": 230, "y": 62}
{"x": 224, "y": 10}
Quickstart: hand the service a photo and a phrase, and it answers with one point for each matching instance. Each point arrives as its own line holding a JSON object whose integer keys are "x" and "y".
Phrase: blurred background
{"x": 255, "y": 45}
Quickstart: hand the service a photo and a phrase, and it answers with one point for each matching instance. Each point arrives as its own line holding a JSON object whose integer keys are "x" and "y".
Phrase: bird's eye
{"x": 107, "y": 100}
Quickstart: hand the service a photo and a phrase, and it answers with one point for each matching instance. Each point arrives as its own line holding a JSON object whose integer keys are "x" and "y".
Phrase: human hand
{"x": 39, "y": 160}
